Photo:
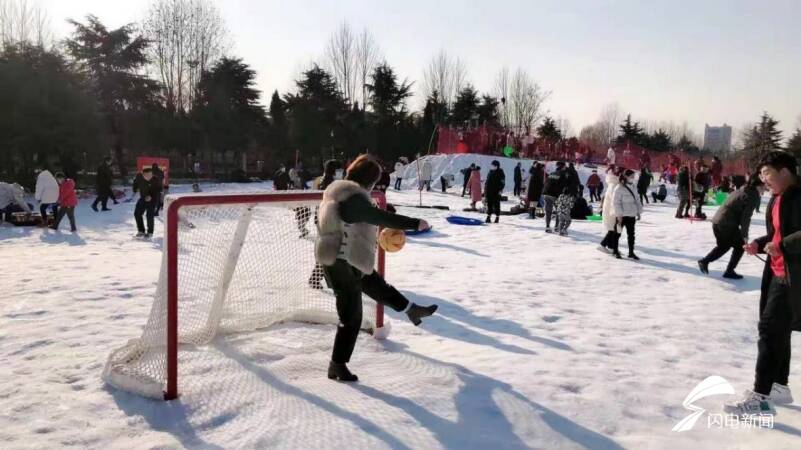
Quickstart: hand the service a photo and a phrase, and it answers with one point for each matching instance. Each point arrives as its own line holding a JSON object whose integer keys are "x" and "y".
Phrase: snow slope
{"x": 540, "y": 342}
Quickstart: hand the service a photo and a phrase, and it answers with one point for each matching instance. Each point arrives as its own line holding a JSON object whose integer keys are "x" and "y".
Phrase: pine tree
{"x": 630, "y": 132}
{"x": 794, "y": 144}
{"x": 660, "y": 141}
{"x": 488, "y": 111}
{"x": 465, "y": 108}
{"x": 548, "y": 131}
{"x": 762, "y": 138}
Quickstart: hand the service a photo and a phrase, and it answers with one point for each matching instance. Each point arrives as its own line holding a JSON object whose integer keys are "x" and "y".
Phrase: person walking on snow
{"x": 627, "y": 210}
{"x": 518, "y": 180}
{"x": 67, "y": 201}
{"x": 466, "y": 173}
{"x": 146, "y": 203}
{"x": 475, "y": 187}
{"x": 609, "y": 242}
{"x": 493, "y": 188}
{"x": 730, "y": 226}
{"x": 536, "y": 183}
{"x": 554, "y": 185}
{"x": 643, "y": 183}
{"x": 426, "y": 173}
{"x": 346, "y": 247}
{"x": 47, "y": 193}
{"x": 103, "y": 185}
{"x": 566, "y": 200}
{"x": 593, "y": 182}
{"x": 683, "y": 192}
{"x": 780, "y": 301}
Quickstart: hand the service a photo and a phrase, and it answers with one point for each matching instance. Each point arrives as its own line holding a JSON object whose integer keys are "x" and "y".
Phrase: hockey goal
{"x": 231, "y": 263}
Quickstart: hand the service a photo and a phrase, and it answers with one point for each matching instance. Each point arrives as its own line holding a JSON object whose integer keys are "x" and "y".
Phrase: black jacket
{"x": 736, "y": 212}
{"x": 536, "y": 183}
{"x": 104, "y": 177}
{"x": 572, "y": 183}
{"x": 518, "y": 175}
{"x": 496, "y": 180}
{"x": 281, "y": 180}
{"x": 791, "y": 249}
{"x": 143, "y": 187}
{"x": 684, "y": 181}
{"x": 555, "y": 183}
{"x": 644, "y": 182}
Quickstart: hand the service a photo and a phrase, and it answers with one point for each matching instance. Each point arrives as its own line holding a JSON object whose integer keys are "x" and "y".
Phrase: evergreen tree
{"x": 279, "y": 126}
{"x": 488, "y": 111}
{"x": 466, "y": 106}
{"x": 548, "y": 131}
{"x": 660, "y": 141}
{"x": 762, "y": 138}
{"x": 794, "y": 144}
{"x": 630, "y": 132}
{"x": 387, "y": 97}
{"x": 114, "y": 60}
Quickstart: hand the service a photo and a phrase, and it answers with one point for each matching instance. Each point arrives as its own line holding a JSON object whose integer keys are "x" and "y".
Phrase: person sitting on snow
{"x": 660, "y": 194}
{"x": 12, "y": 199}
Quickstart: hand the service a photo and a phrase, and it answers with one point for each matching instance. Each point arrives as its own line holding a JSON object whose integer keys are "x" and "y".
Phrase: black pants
{"x": 157, "y": 203}
{"x": 493, "y": 205}
{"x": 103, "y": 195}
{"x": 70, "y": 212}
{"x": 644, "y": 195}
{"x": 629, "y": 224}
{"x": 726, "y": 239}
{"x": 398, "y": 183}
{"x": 348, "y": 285}
{"x": 610, "y": 240}
{"x": 517, "y": 189}
{"x": 656, "y": 197}
{"x": 699, "y": 198}
{"x": 146, "y": 208}
{"x": 684, "y": 205}
{"x": 464, "y": 187}
{"x": 43, "y": 211}
{"x": 775, "y": 327}
{"x": 549, "y": 202}
{"x": 594, "y": 194}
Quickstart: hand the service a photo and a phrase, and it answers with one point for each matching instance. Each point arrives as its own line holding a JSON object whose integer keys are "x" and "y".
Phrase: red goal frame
{"x": 172, "y": 260}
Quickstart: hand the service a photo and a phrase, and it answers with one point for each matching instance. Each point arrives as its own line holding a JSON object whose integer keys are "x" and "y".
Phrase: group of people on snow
{"x": 54, "y": 193}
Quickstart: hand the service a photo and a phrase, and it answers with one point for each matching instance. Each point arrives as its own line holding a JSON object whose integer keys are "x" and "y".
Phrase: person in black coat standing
{"x": 536, "y": 183}
{"x": 730, "y": 225}
{"x": 493, "y": 187}
{"x": 518, "y": 180}
{"x": 157, "y": 188}
{"x": 683, "y": 192}
{"x": 103, "y": 185}
{"x": 780, "y": 301}
{"x": 643, "y": 183}
{"x": 146, "y": 203}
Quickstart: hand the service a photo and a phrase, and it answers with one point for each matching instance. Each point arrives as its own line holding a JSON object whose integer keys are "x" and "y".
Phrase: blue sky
{"x": 696, "y": 61}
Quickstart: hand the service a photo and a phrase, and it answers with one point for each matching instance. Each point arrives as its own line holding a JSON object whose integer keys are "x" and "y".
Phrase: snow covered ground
{"x": 540, "y": 342}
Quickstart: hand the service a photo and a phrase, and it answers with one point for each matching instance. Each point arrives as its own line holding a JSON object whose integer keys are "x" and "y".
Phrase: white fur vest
{"x": 355, "y": 243}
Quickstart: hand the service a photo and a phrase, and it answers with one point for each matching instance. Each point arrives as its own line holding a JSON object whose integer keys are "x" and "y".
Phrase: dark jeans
{"x": 70, "y": 212}
{"x": 775, "y": 327}
{"x": 102, "y": 197}
{"x": 727, "y": 238}
{"x": 43, "y": 211}
{"x": 684, "y": 205}
{"x": 644, "y": 195}
{"x": 143, "y": 207}
{"x": 493, "y": 205}
{"x": 464, "y": 187}
{"x": 549, "y": 202}
{"x": 699, "y": 199}
{"x": 611, "y": 240}
{"x": 517, "y": 188}
{"x": 348, "y": 285}
{"x": 656, "y": 197}
{"x": 629, "y": 223}
{"x": 594, "y": 196}
{"x": 157, "y": 202}
{"x": 398, "y": 183}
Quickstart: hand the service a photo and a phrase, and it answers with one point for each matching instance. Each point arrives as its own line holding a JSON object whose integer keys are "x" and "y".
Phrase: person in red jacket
{"x": 593, "y": 183}
{"x": 67, "y": 201}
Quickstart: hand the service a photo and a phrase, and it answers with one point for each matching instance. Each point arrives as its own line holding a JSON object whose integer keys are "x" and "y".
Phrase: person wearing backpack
{"x": 627, "y": 209}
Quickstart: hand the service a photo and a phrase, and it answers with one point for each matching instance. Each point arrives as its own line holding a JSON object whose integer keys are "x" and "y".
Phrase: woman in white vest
{"x": 627, "y": 208}
{"x": 346, "y": 247}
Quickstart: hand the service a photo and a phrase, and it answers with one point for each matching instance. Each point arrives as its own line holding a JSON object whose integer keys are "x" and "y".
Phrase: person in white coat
{"x": 609, "y": 243}
{"x": 611, "y": 156}
{"x": 627, "y": 208}
{"x": 425, "y": 175}
{"x": 399, "y": 168}
{"x": 12, "y": 199}
{"x": 46, "y": 194}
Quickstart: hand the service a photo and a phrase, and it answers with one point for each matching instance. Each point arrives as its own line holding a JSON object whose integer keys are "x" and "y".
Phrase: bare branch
{"x": 445, "y": 75}
{"x": 367, "y": 56}
{"x": 341, "y": 58}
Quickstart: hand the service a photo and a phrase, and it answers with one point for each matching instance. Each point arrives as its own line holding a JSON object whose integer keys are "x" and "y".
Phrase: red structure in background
{"x": 488, "y": 140}
{"x": 147, "y": 161}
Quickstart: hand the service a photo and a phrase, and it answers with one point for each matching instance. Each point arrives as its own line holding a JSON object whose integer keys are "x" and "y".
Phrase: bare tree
{"x": 564, "y": 126}
{"x": 526, "y": 100}
{"x": 23, "y": 21}
{"x": 187, "y": 37}
{"x": 502, "y": 92}
{"x": 609, "y": 121}
{"x": 341, "y": 59}
{"x": 446, "y": 75}
{"x": 367, "y": 56}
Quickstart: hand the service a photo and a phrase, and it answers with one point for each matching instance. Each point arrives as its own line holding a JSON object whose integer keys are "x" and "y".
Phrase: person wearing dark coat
{"x": 554, "y": 185}
{"x": 643, "y": 183}
{"x": 703, "y": 181}
{"x": 660, "y": 194}
{"x": 466, "y": 172}
{"x": 281, "y": 179}
{"x": 157, "y": 184}
{"x": 518, "y": 180}
{"x": 493, "y": 187}
{"x": 536, "y": 183}
{"x": 581, "y": 209}
{"x": 730, "y": 226}
{"x": 780, "y": 300}
{"x": 564, "y": 205}
{"x": 103, "y": 186}
{"x": 683, "y": 192}
{"x": 146, "y": 203}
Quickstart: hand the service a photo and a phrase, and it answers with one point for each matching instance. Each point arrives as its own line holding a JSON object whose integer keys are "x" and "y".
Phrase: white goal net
{"x": 242, "y": 262}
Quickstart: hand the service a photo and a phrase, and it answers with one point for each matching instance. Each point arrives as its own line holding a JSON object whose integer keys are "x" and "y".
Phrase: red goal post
{"x": 172, "y": 247}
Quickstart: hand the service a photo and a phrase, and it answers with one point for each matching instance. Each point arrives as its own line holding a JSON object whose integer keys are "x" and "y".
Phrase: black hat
{"x": 496, "y": 163}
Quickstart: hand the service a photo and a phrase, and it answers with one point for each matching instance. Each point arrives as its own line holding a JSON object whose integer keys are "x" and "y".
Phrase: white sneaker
{"x": 780, "y": 394}
{"x": 752, "y": 403}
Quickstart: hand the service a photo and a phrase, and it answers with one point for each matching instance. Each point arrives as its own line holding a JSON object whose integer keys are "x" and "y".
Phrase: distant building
{"x": 717, "y": 139}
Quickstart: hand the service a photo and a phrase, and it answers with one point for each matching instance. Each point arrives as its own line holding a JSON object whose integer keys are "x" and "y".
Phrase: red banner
{"x": 162, "y": 163}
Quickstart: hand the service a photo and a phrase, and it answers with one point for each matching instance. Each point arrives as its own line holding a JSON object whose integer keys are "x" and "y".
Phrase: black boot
{"x": 339, "y": 371}
{"x": 732, "y": 275}
{"x": 633, "y": 256}
{"x": 488, "y": 219}
{"x": 703, "y": 266}
{"x": 497, "y": 218}
{"x": 417, "y": 312}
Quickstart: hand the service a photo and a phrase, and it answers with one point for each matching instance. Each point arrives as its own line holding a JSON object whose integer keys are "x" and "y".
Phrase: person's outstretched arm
{"x": 358, "y": 209}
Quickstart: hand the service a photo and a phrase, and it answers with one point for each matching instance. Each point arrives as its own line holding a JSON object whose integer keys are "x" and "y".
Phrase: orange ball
{"x": 391, "y": 240}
